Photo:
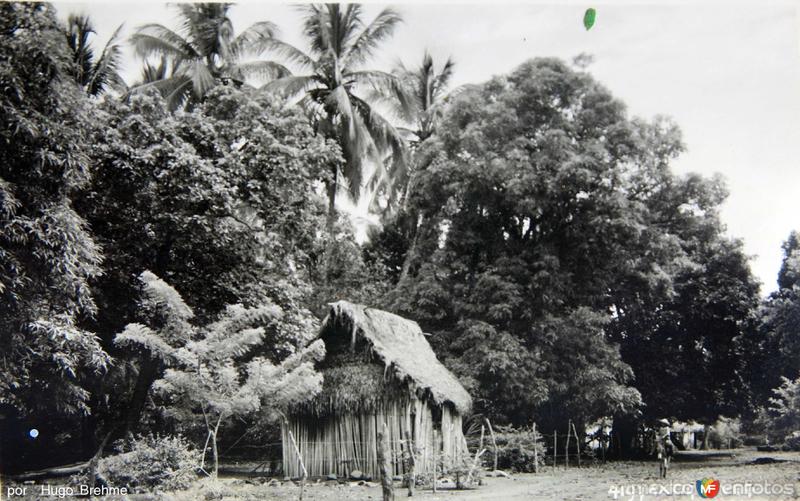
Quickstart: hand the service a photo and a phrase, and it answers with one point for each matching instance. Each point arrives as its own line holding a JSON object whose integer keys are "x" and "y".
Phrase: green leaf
{"x": 588, "y": 18}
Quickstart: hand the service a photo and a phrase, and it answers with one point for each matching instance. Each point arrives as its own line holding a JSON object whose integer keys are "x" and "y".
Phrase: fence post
{"x": 435, "y": 457}
{"x": 302, "y": 465}
{"x": 412, "y": 478}
{"x": 566, "y": 447}
{"x": 555, "y": 448}
{"x": 494, "y": 443}
{"x": 577, "y": 443}
{"x": 384, "y": 467}
{"x": 535, "y": 451}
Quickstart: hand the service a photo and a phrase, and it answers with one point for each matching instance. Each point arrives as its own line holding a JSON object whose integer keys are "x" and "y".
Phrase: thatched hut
{"x": 379, "y": 368}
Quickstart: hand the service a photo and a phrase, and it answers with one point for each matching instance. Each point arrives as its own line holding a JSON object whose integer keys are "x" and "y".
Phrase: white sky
{"x": 727, "y": 73}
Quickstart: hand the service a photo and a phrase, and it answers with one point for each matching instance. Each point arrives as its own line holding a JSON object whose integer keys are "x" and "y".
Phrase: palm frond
{"x": 260, "y": 70}
{"x": 339, "y": 100}
{"x": 152, "y": 73}
{"x": 180, "y": 94}
{"x": 316, "y": 27}
{"x": 155, "y": 39}
{"x": 79, "y": 27}
{"x": 291, "y": 86}
{"x": 202, "y": 79}
{"x": 385, "y": 138}
{"x": 380, "y": 29}
{"x": 253, "y": 40}
{"x": 387, "y": 85}
{"x": 105, "y": 71}
{"x": 444, "y": 76}
{"x": 175, "y": 90}
{"x": 290, "y": 53}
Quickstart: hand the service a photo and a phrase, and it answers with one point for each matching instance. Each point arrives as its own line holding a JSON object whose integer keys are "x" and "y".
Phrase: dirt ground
{"x": 614, "y": 480}
{"x": 589, "y": 483}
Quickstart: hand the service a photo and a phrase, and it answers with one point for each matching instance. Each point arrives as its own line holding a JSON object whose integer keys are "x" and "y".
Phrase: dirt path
{"x": 627, "y": 480}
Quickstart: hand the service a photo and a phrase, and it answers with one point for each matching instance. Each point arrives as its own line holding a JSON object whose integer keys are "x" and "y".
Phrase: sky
{"x": 728, "y": 73}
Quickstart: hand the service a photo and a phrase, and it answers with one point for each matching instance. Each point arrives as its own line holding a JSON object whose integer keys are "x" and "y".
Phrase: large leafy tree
{"x": 203, "y": 53}
{"x": 777, "y": 354}
{"x": 336, "y": 88}
{"x": 47, "y": 254}
{"x": 95, "y": 74}
{"x": 214, "y": 202}
{"x": 524, "y": 235}
{"x": 562, "y": 247}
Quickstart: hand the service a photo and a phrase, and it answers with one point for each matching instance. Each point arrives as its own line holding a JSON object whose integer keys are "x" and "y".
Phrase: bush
{"x": 724, "y": 434}
{"x": 517, "y": 449}
{"x": 148, "y": 463}
{"x": 792, "y": 441}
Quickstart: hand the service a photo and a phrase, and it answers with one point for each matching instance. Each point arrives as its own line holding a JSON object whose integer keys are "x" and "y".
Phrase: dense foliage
{"x": 179, "y": 240}
{"x": 48, "y": 256}
{"x": 558, "y": 249}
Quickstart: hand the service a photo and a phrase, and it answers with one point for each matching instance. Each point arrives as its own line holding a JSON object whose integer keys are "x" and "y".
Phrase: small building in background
{"x": 379, "y": 368}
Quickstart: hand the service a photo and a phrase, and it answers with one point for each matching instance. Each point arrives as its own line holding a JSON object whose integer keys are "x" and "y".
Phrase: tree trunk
{"x": 214, "y": 454}
{"x": 412, "y": 250}
{"x": 214, "y": 447}
{"x": 384, "y": 464}
{"x": 705, "y": 437}
{"x": 623, "y": 432}
{"x": 333, "y": 187}
{"x": 93, "y": 463}
{"x": 148, "y": 373}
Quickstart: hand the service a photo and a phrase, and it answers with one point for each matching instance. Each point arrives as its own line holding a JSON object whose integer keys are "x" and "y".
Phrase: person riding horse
{"x": 664, "y": 446}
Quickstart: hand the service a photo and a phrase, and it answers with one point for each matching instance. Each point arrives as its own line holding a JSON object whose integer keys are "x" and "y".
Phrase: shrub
{"x": 793, "y": 441}
{"x": 147, "y": 463}
{"x": 725, "y": 433}
{"x": 517, "y": 449}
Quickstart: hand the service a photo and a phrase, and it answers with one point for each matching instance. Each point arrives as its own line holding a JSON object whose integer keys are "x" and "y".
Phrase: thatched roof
{"x": 395, "y": 342}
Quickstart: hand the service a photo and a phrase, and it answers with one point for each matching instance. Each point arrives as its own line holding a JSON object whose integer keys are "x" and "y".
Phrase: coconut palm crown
{"x": 203, "y": 53}
{"x": 335, "y": 88}
{"x": 420, "y": 109}
{"x": 96, "y": 76}
{"x": 428, "y": 91}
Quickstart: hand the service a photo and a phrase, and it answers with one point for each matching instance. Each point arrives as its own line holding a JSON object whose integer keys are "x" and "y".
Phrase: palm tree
{"x": 420, "y": 108}
{"x": 335, "y": 88}
{"x": 428, "y": 91}
{"x": 95, "y": 76}
{"x": 203, "y": 54}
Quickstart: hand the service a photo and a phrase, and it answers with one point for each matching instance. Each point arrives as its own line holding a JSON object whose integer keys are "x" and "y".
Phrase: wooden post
{"x": 435, "y": 457}
{"x": 412, "y": 477}
{"x": 566, "y": 447}
{"x": 577, "y": 443}
{"x": 302, "y": 466}
{"x": 535, "y": 451}
{"x": 555, "y": 448}
{"x": 384, "y": 467}
{"x": 494, "y": 443}
{"x": 473, "y": 467}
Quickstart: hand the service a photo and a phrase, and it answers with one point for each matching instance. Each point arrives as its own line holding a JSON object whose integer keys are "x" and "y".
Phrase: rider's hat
{"x": 663, "y": 422}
